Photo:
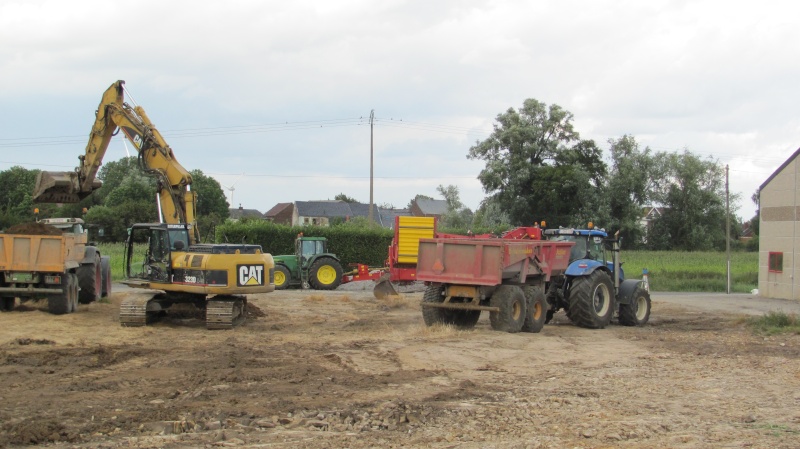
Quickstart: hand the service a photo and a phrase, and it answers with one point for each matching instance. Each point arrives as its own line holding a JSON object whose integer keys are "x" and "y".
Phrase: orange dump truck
{"x": 51, "y": 259}
{"x": 506, "y": 276}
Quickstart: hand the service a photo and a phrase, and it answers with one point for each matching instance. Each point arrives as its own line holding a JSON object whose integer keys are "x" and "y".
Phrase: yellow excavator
{"x": 168, "y": 255}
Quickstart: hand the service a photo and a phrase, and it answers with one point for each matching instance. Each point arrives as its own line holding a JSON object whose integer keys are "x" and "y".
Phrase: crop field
{"x": 675, "y": 271}
{"x": 669, "y": 271}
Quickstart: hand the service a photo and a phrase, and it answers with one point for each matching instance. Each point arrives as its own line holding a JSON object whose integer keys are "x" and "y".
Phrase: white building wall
{"x": 780, "y": 232}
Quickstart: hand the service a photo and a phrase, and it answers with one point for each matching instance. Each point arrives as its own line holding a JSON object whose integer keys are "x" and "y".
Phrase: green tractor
{"x": 311, "y": 266}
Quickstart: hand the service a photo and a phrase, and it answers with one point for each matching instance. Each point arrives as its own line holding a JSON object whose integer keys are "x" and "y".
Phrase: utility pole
{"x": 371, "y": 120}
{"x": 727, "y": 232}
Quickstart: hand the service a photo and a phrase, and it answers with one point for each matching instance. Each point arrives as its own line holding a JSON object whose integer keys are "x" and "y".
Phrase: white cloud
{"x": 717, "y": 78}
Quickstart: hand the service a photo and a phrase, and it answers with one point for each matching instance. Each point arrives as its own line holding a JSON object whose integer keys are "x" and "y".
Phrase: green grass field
{"x": 669, "y": 271}
{"x": 673, "y": 271}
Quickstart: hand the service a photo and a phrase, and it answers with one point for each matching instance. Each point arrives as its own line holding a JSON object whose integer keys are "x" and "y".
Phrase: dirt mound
{"x": 33, "y": 229}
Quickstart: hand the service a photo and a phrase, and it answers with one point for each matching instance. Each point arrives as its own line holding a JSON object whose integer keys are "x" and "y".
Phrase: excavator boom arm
{"x": 176, "y": 200}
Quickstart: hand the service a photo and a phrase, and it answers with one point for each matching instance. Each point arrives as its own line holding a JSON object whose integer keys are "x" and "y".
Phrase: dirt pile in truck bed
{"x": 33, "y": 229}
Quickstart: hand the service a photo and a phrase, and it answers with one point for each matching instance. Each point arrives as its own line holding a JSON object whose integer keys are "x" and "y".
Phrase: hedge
{"x": 351, "y": 244}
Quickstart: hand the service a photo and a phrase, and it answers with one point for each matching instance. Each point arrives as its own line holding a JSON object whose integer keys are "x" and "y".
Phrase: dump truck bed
{"x": 40, "y": 253}
{"x": 490, "y": 261}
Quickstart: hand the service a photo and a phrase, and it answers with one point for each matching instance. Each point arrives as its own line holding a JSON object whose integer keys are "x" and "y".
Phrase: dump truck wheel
{"x": 105, "y": 272}
{"x": 7, "y": 303}
{"x": 90, "y": 281}
{"x": 433, "y": 315}
{"x": 282, "y": 277}
{"x": 637, "y": 312}
{"x": 536, "y": 313}
{"x": 511, "y": 301}
{"x": 66, "y": 302}
{"x": 591, "y": 300}
{"x": 325, "y": 274}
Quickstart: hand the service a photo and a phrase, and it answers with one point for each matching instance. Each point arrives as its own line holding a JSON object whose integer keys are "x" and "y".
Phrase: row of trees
{"x": 126, "y": 197}
{"x": 536, "y": 168}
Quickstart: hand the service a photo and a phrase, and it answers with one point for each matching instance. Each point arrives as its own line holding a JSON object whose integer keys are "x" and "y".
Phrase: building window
{"x": 776, "y": 262}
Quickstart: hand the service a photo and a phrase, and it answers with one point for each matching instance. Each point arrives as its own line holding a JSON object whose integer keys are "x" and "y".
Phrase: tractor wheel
{"x": 591, "y": 300}
{"x": 90, "y": 281}
{"x": 67, "y": 301}
{"x": 105, "y": 272}
{"x": 325, "y": 274}
{"x": 464, "y": 319}
{"x": 637, "y": 312}
{"x": 536, "y": 309}
{"x": 282, "y": 277}
{"x": 7, "y": 303}
{"x": 512, "y": 304}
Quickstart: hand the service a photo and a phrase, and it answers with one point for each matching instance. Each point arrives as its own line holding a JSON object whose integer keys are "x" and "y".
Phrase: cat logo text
{"x": 249, "y": 275}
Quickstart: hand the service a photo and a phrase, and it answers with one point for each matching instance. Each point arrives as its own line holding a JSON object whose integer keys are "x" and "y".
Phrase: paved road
{"x": 743, "y": 303}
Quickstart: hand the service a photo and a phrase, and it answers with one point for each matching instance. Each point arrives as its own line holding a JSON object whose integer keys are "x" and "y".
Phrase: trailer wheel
{"x": 591, "y": 300}
{"x": 105, "y": 271}
{"x": 536, "y": 309}
{"x": 325, "y": 274}
{"x": 637, "y": 312}
{"x": 464, "y": 319}
{"x": 512, "y": 304}
{"x": 90, "y": 281}
{"x": 282, "y": 277}
{"x": 67, "y": 301}
{"x": 7, "y": 303}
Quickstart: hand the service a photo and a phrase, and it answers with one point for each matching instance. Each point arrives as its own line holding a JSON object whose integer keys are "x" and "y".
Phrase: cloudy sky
{"x": 274, "y": 98}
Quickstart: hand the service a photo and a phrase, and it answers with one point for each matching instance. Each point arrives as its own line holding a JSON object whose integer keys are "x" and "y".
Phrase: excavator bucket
{"x": 60, "y": 187}
{"x": 384, "y": 288}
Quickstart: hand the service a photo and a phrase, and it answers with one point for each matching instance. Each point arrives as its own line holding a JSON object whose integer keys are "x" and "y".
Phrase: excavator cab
{"x": 148, "y": 252}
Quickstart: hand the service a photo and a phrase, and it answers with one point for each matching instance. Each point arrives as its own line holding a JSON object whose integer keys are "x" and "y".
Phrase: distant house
{"x": 422, "y": 207}
{"x": 323, "y": 213}
{"x": 281, "y": 213}
{"x": 779, "y": 238}
{"x": 387, "y": 216}
{"x": 237, "y": 214}
{"x": 649, "y": 215}
{"x": 319, "y": 213}
{"x": 747, "y": 232}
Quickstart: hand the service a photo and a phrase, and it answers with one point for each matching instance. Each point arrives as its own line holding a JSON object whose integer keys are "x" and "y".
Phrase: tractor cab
{"x": 590, "y": 250}
{"x": 70, "y": 225}
{"x": 307, "y": 248}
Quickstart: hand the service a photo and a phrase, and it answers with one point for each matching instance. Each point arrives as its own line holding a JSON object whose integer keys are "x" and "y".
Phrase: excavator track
{"x": 133, "y": 310}
{"x": 225, "y": 312}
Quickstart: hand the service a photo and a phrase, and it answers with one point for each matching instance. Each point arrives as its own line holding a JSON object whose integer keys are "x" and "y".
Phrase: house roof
{"x": 323, "y": 209}
{"x": 387, "y": 216}
{"x": 239, "y": 212}
{"x": 780, "y": 169}
{"x": 276, "y": 209}
{"x": 432, "y": 207}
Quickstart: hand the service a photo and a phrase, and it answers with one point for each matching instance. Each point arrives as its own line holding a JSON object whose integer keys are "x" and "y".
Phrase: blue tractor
{"x": 589, "y": 291}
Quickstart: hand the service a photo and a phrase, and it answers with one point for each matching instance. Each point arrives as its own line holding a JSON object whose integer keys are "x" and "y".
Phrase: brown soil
{"x": 33, "y": 229}
{"x": 340, "y": 369}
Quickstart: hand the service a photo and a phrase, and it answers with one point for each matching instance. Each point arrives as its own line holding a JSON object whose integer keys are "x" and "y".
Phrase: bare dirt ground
{"x": 341, "y": 369}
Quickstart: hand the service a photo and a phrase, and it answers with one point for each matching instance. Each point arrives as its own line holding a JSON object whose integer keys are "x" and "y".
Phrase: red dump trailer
{"x": 507, "y": 277}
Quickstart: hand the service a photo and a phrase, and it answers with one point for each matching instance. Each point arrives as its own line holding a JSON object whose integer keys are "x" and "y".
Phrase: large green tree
{"x": 16, "y": 195}
{"x": 692, "y": 191}
{"x": 457, "y": 215}
{"x": 212, "y": 205}
{"x": 537, "y": 166}
{"x": 630, "y": 187}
